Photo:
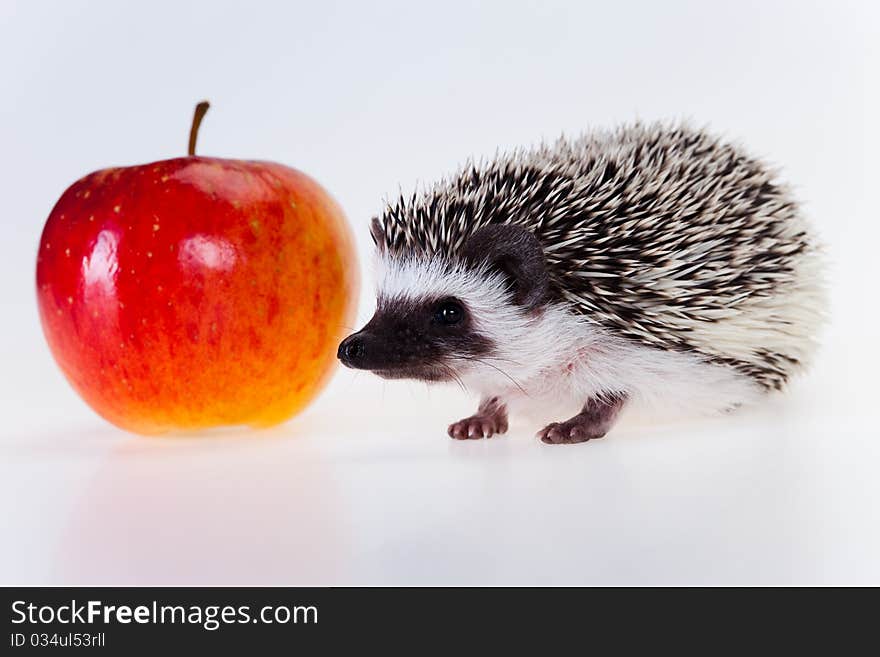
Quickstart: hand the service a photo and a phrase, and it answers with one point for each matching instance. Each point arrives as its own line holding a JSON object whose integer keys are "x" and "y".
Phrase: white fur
{"x": 557, "y": 359}
{"x": 786, "y": 322}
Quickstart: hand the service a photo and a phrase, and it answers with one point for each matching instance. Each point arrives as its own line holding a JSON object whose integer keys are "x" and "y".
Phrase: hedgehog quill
{"x": 648, "y": 265}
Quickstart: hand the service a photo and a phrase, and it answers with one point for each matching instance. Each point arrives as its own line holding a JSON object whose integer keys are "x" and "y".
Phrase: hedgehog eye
{"x": 449, "y": 312}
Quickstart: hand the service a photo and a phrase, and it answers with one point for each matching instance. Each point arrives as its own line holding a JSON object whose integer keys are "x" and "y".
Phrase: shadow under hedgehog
{"x": 650, "y": 265}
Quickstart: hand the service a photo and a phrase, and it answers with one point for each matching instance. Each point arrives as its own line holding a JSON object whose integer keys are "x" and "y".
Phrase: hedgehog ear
{"x": 516, "y": 253}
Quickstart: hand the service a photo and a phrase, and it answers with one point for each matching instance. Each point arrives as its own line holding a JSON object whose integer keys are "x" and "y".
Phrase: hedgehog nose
{"x": 351, "y": 351}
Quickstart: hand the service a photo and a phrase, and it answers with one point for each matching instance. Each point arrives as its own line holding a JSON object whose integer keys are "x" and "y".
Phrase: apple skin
{"x": 196, "y": 292}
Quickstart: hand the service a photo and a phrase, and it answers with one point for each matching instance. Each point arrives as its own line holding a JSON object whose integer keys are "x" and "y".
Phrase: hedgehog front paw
{"x": 592, "y": 422}
{"x": 490, "y": 418}
{"x": 477, "y": 426}
{"x": 575, "y": 430}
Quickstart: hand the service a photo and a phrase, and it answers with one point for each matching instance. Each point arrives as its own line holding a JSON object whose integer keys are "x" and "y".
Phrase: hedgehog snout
{"x": 351, "y": 350}
{"x": 371, "y": 348}
{"x": 356, "y": 352}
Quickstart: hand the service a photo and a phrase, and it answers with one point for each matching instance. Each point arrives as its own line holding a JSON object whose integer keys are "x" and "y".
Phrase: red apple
{"x": 196, "y": 291}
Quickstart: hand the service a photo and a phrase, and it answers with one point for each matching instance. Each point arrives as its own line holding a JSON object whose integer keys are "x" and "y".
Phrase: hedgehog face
{"x": 441, "y": 319}
{"x": 415, "y": 338}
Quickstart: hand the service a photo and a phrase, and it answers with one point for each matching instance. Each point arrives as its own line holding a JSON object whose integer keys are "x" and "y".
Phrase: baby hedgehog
{"x": 652, "y": 264}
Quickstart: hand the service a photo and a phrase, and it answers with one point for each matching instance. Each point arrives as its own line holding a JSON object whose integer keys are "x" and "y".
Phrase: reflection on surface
{"x": 204, "y": 510}
{"x": 100, "y": 267}
{"x": 365, "y": 488}
{"x": 207, "y": 251}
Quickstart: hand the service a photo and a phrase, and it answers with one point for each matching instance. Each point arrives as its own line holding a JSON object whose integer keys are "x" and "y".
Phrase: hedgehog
{"x": 652, "y": 265}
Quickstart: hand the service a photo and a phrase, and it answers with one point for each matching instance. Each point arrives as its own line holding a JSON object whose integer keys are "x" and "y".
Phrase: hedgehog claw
{"x": 476, "y": 427}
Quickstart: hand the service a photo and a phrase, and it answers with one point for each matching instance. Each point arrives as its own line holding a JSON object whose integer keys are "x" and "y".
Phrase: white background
{"x": 364, "y": 487}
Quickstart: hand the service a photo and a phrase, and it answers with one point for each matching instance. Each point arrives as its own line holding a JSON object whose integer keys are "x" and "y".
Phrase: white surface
{"x": 364, "y": 488}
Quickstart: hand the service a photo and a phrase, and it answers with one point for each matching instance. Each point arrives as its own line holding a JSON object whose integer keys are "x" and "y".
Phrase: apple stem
{"x": 199, "y": 114}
